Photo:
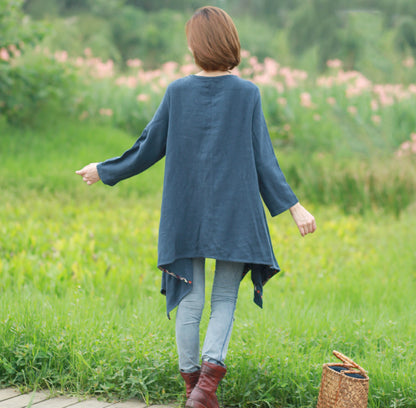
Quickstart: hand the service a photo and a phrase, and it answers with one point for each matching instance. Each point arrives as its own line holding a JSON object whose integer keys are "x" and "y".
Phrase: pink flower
{"x": 282, "y": 101}
{"x": 325, "y": 82}
{"x": 163, "y": 82}
{"x": 263, "y": 79}
{"x": 131, "y": 82}
{"x": 331, "y": 100}
{"x": 352, "y": 110}
{"x": 374, "y": 105}
{"x": 247, "y": 72}
{"x": 291, "y": 82}
{"x": 386, "y": 100}
{"x": 299, "y": 74}
{"x": 253, "y": 61}
{"x": 376, "y": 119}
{"x": 400, "y": 94}
{"x": 83, "y": 115}
{"x": 362, "y": 82}
{"x": 258, "y": 67}
{"x": 4, "y": 55}
{"x": 88, "y": 52}
{"x": 143, "y": 97}
{"x": 120, "y": 81}
{"x": 188, "y": 69}
{"x": 305, "y": 100}
{"x": 335, "y": 63}
{"x": 351, "y": 92}
{"x": 170, "y": 67}
{"x": 271, "y": 67}
{"x": 405, "y": 145}
{"x": 134, "y": 63}
{"x": 14, "y": 50}
{"x": 155, "y": 88}
{"x": 61, "y": 56}
{"x": 103, "y": 69}
{"x": 316, "y": 117}
{"x": 286, "y": 127}
{"x": 245, "y": 54}
{"x": 292, "y": 76}
{"x": 106, "y": 112}
{"x": 409, "y": 62}
{"x": 279, "y": 87}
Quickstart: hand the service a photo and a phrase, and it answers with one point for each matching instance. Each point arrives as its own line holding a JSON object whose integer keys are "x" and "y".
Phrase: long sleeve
{"x": 274, "y": 189}
{"x": 149, "y": 148}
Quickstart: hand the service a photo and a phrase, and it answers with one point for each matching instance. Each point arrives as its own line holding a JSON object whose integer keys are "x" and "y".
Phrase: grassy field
{"x": 81, "y": 312}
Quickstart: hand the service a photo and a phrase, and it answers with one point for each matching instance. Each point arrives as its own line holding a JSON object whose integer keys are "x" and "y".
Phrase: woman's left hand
{"x": 89, "y": 173}
{"x": 303, "y": 219}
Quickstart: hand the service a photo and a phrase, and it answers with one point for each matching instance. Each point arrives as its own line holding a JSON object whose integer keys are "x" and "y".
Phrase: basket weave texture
{"x": 343, "y": 385}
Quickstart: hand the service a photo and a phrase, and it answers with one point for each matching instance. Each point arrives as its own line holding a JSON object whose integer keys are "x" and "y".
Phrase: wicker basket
{"x": 343, "y": 385}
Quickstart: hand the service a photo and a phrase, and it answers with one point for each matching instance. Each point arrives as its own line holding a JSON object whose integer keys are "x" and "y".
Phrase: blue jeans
{"x": 223, "y": 301}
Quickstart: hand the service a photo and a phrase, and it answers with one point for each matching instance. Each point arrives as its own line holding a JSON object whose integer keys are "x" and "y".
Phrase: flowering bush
{"x": 29, "y": 83}
{"x": 342, "y": 112}
{"x": 335, "y": 125}
{"x": 33, "y": 87}
{"x": 408, "y": 147}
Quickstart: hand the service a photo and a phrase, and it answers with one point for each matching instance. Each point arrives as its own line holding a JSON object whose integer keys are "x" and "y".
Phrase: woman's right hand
{"x": 303, "y": 219}
{"x": 89, "y": 173}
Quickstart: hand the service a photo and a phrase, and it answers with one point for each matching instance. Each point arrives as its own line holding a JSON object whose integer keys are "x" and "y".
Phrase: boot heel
{"x": 194, "y": 404}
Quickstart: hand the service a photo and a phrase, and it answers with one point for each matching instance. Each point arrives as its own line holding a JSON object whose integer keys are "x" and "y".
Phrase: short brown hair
{"x": 213, "y": 39}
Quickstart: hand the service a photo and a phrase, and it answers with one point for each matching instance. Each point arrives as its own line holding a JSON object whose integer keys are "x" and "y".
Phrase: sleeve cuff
{"x": 104, "y": 175}
{"x": 279, "y": 210}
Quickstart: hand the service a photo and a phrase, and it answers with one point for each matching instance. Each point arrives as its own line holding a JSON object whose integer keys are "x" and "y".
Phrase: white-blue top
{"x": 220, "y": 162}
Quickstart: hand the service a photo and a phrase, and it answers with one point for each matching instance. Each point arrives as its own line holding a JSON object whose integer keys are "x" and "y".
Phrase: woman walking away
{"x": 219, "y": 164}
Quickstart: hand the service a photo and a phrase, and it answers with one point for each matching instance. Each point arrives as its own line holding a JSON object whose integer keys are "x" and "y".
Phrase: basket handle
{"x": 348, "y": 361}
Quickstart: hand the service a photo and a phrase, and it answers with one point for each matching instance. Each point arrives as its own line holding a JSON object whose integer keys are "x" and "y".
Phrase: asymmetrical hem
{"x": 177, "y": 280}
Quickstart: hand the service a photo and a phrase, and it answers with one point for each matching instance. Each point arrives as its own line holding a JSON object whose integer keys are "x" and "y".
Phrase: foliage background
{"x": 78, "y": 82}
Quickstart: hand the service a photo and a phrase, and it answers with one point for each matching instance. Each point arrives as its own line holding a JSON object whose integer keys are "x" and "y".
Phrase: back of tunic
{"x": 217, "y": 146}
{"x": 219, "y": 163}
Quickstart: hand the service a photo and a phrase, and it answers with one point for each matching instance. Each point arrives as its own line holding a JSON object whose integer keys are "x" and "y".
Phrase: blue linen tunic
{"x": 219, "y": 163}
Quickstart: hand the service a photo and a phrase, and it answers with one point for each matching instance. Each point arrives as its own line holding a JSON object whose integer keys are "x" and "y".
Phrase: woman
{"x": 219, "y": 163}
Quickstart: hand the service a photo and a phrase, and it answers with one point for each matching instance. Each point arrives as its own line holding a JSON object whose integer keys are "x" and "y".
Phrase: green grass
{"x": 81, "y": 313}
{"x": 44, "y": 160}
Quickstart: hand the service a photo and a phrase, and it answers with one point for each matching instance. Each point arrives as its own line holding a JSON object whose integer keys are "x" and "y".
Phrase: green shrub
{"x": 16, "y": 29}
{"x": 155, "y": 37}
{"x": 35, "y": 86}
{"x": 29, "y": 82}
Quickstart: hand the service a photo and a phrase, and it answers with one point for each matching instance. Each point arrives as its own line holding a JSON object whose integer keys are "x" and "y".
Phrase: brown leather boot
{"x": 190, "y": 381}
{"x": 203, "y": 395}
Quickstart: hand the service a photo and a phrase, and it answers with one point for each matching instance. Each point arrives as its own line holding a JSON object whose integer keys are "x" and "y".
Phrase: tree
{"x": 323, "y": 24}
{"x": 406, "y": 34}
